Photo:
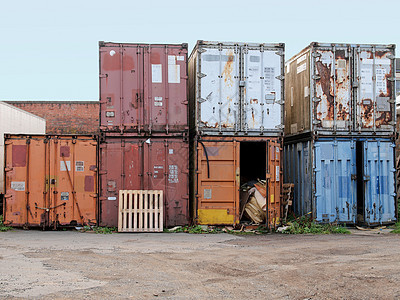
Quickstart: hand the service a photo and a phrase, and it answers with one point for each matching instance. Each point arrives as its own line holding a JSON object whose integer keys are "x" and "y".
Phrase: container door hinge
{"x": 201, "y": 50}
{"x": 102, "y": 172}
{"x": 316, "y": 54}
{"x": 316, "y": 99}
{"x": 280, "y": 77}
{"x": 242, "y": 83}
{"x": 103, "y": 75}
{"x": 280, "y": 53}
{"x": 366, "y": 178}
{"x": 353, "y": 177}
{"x": 280, "y": 102}
{"x": 201, "y": 75}
{"x": 316, "y": 77}
{"x": 355, "y": 84}
{"x": 316, "y": 122}
{"x": 280, "y": 126}
{"x": 391, "y": 79}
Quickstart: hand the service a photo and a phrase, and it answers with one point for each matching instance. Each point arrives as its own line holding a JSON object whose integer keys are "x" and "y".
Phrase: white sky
{"x": 49, "y": 49}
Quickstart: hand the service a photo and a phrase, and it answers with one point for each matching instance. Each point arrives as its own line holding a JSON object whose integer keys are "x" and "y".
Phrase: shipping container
{"x": 143, "y": 88}
{"x": 16, "y": 121}
{"x": 236, "y": 88}
{"x": 343, "y": 180}
{"x": 132, "y": 163}
{"x": 345, "y": 89}
{"x": 223, "y": 166}
{"x": 50, "y": 181}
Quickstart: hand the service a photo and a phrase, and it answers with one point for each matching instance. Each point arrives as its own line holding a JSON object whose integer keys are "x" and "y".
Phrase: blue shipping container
{"x": 343, "y": 180}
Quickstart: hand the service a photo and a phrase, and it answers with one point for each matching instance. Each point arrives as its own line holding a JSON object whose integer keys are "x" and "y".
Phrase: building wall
{"x": 65, "y": 117}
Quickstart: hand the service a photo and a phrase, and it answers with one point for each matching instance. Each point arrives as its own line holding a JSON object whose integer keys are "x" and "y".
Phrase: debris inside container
{"x": 253, "y": 202}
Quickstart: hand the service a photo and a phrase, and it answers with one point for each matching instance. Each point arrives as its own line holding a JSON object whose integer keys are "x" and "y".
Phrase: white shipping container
{"x": 16, "y": 121}
{"x": 236, "y": 88}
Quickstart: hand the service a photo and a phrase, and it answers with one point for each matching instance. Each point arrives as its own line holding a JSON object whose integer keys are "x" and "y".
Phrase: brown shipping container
{"x": 143, "y": 88}
{"x": 50, "y": 180}
{"x": 344, "y": 89}
{"x": 223, "y": 165}
{"x": 131, "y": 163}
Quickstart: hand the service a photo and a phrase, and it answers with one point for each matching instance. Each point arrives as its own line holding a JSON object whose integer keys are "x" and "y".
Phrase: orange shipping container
{"x": 50, "y": 180}
{"x": 224, "y": 164}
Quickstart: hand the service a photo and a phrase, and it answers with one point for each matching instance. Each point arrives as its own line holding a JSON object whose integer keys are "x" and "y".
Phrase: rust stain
{"x": 228, "y": 69}
{"x": 325, "y": 82}
{"x": 367, "y": 111}
{"x": 253, "y": 101}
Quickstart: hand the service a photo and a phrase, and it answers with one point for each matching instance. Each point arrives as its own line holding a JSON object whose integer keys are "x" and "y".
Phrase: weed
{"x": 100, "y": 230}
{"x": 2, "y": 226}
{"x": 305, "y": 225}
{"x": 396, "y": 228}
{"x": 201, "y": 229}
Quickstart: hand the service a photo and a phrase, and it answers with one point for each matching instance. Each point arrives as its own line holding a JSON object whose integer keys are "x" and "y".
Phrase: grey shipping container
{"x": 341, "y": 89}
{"x": 344, "y": 180}
{"x": 236, "y": 88}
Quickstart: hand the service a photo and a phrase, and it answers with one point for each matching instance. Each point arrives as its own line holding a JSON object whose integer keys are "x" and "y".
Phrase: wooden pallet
{"x": 287, "y": 197}
{"x": 140, "y": 211}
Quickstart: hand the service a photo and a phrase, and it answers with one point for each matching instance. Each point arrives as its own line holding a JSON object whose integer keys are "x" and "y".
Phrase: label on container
{"x": 301, "y": 59}
{"x": 62, "y": 165}
{"x": 277, "y": 173}
{"x": 171, "y": 151}
{"x": 173, "y": 174}
{"x": 79, "y": 166}
{"x": 207, "y": 193}
{"x": 157, "y": 101}
{"x": 180, "y": 58}
{"x": 171, "y": 59}
{"x": 174, "y": 74}
{"x": 378, "y": 61}
{"x": 156, "y": 73}
{"x": 381, "y": 86}
{"x": 301, "y": 68}
{"x": 64, "y": 196}
{"x": 18, "y": 185}
{"x": 158, "y": 172}
{"x": 112, "y": 198}
{"x": 269, "y": 78}
{"x": 306, "y": 91}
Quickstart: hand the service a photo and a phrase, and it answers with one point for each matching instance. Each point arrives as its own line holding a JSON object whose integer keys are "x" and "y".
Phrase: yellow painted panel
{"x": 272, "y": 198}
{"x": 215, "y": 217}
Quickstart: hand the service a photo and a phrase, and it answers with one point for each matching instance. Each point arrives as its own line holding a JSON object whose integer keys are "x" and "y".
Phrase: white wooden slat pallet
{"x": 140, "y": 211}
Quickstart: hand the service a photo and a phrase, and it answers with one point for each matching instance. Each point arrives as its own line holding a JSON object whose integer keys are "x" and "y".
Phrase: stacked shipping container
{"x": 144, "y": 125}
{"x": 339, "y": 132}
{"x": 236, "y": 101}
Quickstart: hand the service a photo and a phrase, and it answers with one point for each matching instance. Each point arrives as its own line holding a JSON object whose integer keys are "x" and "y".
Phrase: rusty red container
{"x": 143, "y": 88}
{"x": 133, "y": 163}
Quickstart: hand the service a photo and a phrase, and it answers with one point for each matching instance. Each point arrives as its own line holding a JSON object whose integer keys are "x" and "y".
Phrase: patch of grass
{"x": 396, "y": 228}
{"x": 100, "y": 230}
{"x": 305, "y": 225}
{"x": 2, "y": 226}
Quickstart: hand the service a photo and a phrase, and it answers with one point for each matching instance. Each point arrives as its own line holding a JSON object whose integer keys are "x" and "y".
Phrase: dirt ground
{"x": 75, "y": 265}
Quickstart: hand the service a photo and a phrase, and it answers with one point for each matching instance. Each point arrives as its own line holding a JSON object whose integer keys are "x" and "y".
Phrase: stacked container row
{"x": 144, "y": 126}
{"x": 236, "y": 114}
{"x": 340, "y": 125}
{"x": 50, "y": 180}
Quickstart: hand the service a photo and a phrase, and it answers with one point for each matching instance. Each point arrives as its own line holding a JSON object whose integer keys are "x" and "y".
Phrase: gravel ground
{"x": 75, "y": 265}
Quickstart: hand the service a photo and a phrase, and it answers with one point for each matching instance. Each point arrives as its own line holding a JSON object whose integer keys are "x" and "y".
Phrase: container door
{"x": 274, "y": 180}
{"x": 332, "y": 86}
{"x": 165, "y": 97}
{"x": 379, "y": 182}
{"x": 121, "y": 87}
{"x": 262, "y": 109}
{"x": 166, "y": 165}
{"x": 120, "y": 169}
{"x": 376, "y": 94}
{"x": 76, "y": 179}
{"x": 25, "y": 197}
{"x": 219, "y": 95}
{"x": 218, "y": 181}
{"x": 335, "y": 187}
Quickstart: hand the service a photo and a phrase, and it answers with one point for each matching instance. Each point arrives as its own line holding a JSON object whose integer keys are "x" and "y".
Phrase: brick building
{"x": 65, "y": 117}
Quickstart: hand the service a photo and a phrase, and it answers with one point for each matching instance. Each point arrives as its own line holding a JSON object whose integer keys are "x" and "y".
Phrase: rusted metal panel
{"x": 222, "y": 167}
{"x": 132, "y": 163}
{"x": 348, "y": 90}
{"x": 143, "y": 88}
{"x": 55, "y": 185}
{"x": 236, "y": 88}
